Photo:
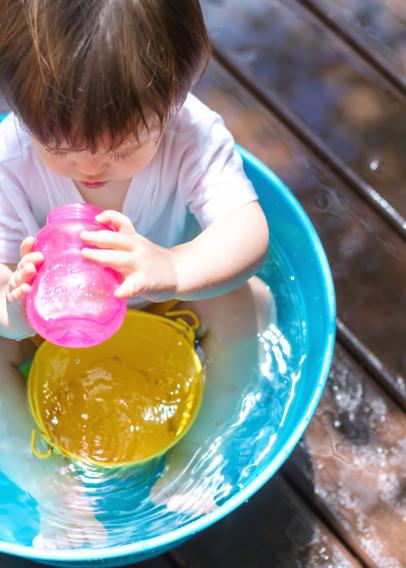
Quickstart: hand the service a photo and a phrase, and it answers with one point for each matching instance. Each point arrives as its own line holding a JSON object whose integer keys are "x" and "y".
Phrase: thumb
{"x": 130, "y": 287}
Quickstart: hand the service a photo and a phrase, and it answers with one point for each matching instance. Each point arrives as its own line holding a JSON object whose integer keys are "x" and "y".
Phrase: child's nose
{"x": 91, "y": 164}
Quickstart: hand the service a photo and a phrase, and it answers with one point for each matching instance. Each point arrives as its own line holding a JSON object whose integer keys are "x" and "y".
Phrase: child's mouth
{"x": 93, "y": 184}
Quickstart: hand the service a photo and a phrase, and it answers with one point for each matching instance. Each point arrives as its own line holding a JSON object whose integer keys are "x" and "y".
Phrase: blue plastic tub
{"x": 291, "y": 228}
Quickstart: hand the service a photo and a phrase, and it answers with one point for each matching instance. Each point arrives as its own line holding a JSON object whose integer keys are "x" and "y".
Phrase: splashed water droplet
{"x": 374, "y": 165}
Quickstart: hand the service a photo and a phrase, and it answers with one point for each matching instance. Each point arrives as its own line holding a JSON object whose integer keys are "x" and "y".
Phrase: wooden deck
{"x": 317, "y": 90}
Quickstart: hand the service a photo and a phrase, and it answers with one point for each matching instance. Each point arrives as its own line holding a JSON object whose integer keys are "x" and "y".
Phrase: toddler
{"x": 102, "y": 113}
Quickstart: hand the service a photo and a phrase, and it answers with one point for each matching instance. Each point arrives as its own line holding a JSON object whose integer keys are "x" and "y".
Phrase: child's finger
{"x": 107, "y": 240}
{"x": 115, "y": 259}
{"x": 19, "y": 293}
{"x": 26, "y": 245}
{"x": 131, "y": 286}
{"x": 21, "y": 276}
{"x": 32, "y": 258}
{"x": 121, "y": 223}
{"x": 25, "y": 274}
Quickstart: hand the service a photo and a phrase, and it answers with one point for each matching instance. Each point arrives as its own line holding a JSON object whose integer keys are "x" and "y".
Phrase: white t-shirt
{"x": 196, "y": 175}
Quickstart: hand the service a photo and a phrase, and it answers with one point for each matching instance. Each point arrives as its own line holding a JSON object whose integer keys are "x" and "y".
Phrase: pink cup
{"x": 72, "y": 300}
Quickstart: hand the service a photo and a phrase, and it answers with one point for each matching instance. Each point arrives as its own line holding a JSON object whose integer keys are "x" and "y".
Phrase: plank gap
{"x": 372, "y": 364}
{"x": 315, "y": 145}
{"x": 317, "y": 508}
{"x": 373, "y": 59}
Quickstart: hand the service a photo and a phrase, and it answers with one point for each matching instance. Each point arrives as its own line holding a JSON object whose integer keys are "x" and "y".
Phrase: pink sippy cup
{"x": 72, "y": 300}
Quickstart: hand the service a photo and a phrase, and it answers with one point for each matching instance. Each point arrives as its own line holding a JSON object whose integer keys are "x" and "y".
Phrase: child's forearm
{"x": 12, "y": 320}
{"x": 224, "y": 255}
{"x": 5, "y": 326}
{"x": 4, "y": 319}
{"x": 3, "y": 313}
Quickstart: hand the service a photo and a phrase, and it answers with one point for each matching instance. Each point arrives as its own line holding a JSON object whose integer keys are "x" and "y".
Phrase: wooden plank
{"x": 274, "y": 529}
{"x": 382, "y": 25}
{"x": 368, "y": 260}
{"x": 352, "y": 465}
{"x": 316, "y": 145}
{"x": 353, "y": 29}
{"x": 277, "y": 44}
{"x": 7, "y": 561}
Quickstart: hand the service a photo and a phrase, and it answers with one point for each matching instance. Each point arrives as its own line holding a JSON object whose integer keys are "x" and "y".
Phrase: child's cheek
{"x": 60, "y": 166}
{"x": 54, "y": 163}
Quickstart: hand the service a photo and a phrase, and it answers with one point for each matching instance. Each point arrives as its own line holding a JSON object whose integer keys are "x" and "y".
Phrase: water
{"x": 113, "y": 411}
{"x": 231, "y": 442}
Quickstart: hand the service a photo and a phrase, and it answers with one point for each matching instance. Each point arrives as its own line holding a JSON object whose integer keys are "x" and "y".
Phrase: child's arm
{"x": 222, "y": 257}
{"x": 14, "y": 287}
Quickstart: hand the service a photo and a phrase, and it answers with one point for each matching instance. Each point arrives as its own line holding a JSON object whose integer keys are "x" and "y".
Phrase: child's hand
{"x": 18, "y": 286}
{"x": 148, "y": 269}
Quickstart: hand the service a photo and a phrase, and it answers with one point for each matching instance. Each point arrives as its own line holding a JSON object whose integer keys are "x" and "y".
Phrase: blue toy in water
{"x": 300, "y": 245}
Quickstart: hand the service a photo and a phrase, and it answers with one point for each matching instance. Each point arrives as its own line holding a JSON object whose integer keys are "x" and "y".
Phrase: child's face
{"x": 96, "y": 169}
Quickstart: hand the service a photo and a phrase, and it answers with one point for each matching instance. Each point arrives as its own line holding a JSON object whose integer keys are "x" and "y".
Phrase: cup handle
{"x": 180, "y": 318}
{"x": 34, "y": 449}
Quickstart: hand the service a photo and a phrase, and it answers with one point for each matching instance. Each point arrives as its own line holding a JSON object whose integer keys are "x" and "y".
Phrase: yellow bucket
{"x": 124, "y": 401}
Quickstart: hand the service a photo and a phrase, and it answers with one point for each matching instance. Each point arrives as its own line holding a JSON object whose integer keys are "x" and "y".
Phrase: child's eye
{"x": 60, "y": 154}
{"x": 122, "y": 156}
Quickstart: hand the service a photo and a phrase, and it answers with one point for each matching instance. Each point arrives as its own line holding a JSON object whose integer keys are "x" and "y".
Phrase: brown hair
{"x": 77, "y": 69}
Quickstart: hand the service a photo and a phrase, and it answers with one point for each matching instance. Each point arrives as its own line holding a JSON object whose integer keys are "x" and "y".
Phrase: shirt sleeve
{"x": 212, "y": 176}
{"x": 16, "y": 219}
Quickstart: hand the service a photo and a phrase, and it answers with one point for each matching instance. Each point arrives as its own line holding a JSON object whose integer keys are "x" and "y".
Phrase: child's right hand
{"x": 16, "y": 291}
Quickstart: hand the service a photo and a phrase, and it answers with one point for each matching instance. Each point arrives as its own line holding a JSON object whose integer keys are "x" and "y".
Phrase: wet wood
{"x": 381, "y": 25}
{"x": 370, "y": 363}
{"x": 352, "y": 464}
{"x": 274, "y": 529}
{"x": 368, "y": 260}
{"x": 278, "y": 45}
{"x": 354, "y": 29}
{"x": 316, "y": 145}
{"x": 7, "y": 561}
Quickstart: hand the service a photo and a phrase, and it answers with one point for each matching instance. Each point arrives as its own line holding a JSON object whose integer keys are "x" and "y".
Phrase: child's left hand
{"x": 148, "y": 269}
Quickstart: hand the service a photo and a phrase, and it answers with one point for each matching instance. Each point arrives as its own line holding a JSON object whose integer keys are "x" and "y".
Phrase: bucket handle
{"x": 189, "y": 328}
{"x": 36, "y": 451}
